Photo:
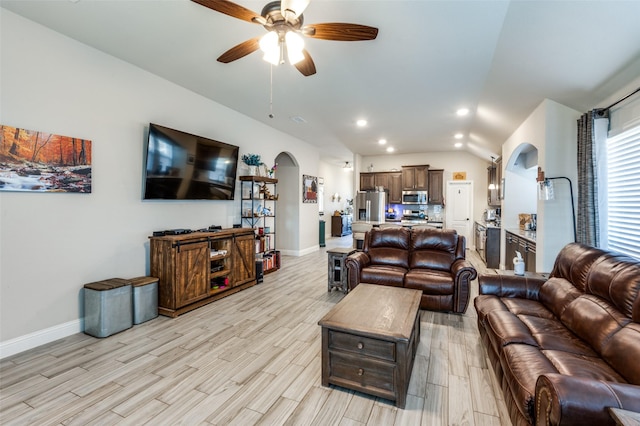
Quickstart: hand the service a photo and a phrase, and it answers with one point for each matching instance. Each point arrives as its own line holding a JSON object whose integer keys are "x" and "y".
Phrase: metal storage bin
{"x": 107, "y": 307}
{"x": 145, "y": 299}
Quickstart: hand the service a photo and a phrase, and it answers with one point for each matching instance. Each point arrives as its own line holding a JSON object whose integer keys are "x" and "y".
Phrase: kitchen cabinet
{"x": 395, "y": 188}
{"x": 436, "y": 186}
{"x": 389, "y": 181}
{"x": 415, "y": 178}
{"x": 367, "y": 181}
{"x": 526, "y": 247}
{"x": 341, "y": 225}
{"x": 381, "y": 180}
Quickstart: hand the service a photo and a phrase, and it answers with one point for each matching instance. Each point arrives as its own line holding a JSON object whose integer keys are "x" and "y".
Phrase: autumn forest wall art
{"x": 41, "y": 162}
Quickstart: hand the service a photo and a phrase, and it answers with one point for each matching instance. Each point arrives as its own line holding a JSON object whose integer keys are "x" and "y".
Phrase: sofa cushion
{"x": 594, "y": 320}
{"x": 551, "y": 334}
{"x": 433, "y": 248}
{"x": 592, "y": 367}
{"x": 616, "y": 278}
{"x": 384, "y": 275}
{"x": 430, "y": 281}
{"x": 522, "y": 365}
{"x": 574, "y": 262}
{"x": 622, "y": 352}
{"x": 388, "y": 247}
{"x": 505, "y": 329}
{"x": 557, "y": 293}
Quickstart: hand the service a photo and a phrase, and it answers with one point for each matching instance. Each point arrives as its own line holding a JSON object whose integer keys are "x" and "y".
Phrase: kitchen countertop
{"x": 488, "y": 224}
{"x": 408, "y": 223}
{"x": 527, "y": 235}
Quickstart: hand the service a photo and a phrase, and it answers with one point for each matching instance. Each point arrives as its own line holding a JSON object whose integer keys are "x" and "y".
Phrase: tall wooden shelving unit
{"x": 258, "y": 210}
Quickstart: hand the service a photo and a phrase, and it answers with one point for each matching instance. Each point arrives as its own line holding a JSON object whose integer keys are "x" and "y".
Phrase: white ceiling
{"x": 499, "y": 58}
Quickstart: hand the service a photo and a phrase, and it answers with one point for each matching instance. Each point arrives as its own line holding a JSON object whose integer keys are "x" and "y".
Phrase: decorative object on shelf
{"x": 270, "y": 173}
{"x": 309, "y": 189}
{"x": 267, "y": 195}
{"x": 34, "y": 161}
{"x": 253, "y": 161}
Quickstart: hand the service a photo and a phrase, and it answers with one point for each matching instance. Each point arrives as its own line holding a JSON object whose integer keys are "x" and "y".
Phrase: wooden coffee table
{"x": 369, "y": 341}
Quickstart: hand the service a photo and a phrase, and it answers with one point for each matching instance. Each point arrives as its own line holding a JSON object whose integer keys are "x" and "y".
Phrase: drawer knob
{"x": 360, "y": 371}
{"x": 360, "y": 345}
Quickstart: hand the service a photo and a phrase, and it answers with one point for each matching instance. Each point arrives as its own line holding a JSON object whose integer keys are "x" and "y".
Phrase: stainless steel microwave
{"x": 415, "y": 197}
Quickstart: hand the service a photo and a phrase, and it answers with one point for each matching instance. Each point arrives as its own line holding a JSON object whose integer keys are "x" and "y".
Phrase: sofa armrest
{"x": 354, "y": 264}
{"x": 463, "y": 273}
{"x": 509, "y": 285}
{"x": 570, "y": 400}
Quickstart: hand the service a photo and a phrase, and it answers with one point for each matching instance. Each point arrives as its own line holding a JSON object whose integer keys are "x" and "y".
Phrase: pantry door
{"x": 459, "y": 210}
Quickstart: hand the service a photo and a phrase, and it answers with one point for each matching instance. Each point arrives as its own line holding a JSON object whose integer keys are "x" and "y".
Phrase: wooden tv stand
{"x": 201, "y": 267}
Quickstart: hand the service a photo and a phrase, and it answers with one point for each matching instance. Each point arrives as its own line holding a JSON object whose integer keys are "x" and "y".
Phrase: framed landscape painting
{"x": 35, "y": 161}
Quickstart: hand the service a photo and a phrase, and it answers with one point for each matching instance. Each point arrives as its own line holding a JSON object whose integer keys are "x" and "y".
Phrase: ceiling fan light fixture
{"x": 295, "y": 47}
{"x": 270, "y": 45}
{"x": 294, "y": 7}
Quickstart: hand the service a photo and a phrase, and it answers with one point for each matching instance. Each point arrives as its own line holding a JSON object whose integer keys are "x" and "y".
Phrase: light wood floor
{"x": 250, "y": 358}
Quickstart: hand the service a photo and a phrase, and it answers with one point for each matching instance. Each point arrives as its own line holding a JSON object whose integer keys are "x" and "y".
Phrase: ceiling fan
{"x": 284, "y": 22}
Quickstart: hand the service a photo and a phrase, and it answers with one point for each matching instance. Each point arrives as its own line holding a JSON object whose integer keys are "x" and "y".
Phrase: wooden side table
{"x": 337, "y": 271}
{"x": 624, "y": 417}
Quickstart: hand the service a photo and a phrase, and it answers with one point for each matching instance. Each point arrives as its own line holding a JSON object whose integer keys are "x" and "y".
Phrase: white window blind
{"x": 623, "y": 187}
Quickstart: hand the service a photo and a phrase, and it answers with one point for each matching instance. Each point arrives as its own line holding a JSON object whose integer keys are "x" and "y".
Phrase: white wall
{"x": 551, "y": 128}
{"x": 458, "y": 161}
{"x": 53, "y": 243}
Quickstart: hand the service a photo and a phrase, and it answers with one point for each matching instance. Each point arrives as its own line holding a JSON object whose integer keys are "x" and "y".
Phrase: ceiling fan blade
{"x": 240, "y": 51}
{"x": 306, "y": 66}
{"x": 296, "y": 7}
{"x": 231, "y": 9}
{"x": 340, "y": 31}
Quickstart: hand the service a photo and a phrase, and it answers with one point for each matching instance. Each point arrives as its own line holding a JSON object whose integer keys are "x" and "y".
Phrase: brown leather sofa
{"x": 566, "y": 348}
{"x": 431, "y": 260}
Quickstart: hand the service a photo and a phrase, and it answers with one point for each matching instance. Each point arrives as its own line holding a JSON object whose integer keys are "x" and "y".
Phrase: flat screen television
{"x": 182, "y": 166}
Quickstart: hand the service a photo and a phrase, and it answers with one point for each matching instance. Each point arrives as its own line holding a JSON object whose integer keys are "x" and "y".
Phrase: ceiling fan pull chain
{"x": 270, "y": 90}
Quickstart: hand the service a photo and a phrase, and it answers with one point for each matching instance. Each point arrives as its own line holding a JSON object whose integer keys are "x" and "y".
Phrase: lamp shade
{"x": 270, "y": 45}
{"x": 295, "y": 46}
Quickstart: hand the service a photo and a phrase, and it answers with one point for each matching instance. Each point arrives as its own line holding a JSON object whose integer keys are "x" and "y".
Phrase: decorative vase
{"x": 253, "y": 170}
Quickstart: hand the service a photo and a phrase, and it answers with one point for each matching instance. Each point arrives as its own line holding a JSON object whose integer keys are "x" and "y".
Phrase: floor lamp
{"x": 545, "y": 192}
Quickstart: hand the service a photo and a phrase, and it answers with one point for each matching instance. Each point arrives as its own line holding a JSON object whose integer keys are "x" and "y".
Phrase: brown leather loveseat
{"x": 566, "y": 348}
{"x": 427, "y": 259}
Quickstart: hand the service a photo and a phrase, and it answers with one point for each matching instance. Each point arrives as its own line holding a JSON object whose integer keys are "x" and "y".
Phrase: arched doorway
{"x": 288, "y": 209}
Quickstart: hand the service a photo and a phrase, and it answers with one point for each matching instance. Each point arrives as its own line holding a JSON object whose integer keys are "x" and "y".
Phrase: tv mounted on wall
{"x": 182, "y": 166}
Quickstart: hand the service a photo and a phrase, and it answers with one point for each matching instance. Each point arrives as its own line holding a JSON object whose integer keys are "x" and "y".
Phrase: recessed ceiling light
{"x": 458, "y": 136}
{"x": 382, "y": 141}
{"x": 458, "y": 145}
{"x": 361, "y": 123}
{"x": 462, "y": 112}
{"x": 390, "y": 149}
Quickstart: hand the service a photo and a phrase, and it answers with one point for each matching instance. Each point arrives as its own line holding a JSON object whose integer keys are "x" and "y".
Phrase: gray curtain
{"x": 588, "y": 227}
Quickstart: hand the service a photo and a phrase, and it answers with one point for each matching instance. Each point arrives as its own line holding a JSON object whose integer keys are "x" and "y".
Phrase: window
{"x": 623, "y": 192}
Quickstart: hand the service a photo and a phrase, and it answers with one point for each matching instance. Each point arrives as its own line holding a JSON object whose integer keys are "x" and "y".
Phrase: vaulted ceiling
{"x": 498, "y": 58}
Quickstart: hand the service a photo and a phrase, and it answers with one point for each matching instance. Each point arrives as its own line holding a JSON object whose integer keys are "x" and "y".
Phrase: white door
{"x": 459, "y": 208}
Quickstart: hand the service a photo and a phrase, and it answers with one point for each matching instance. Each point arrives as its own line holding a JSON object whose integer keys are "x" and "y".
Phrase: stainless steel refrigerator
{"x": 370, "y": 206}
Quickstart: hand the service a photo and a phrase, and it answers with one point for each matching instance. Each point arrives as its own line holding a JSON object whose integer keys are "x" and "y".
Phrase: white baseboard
{"x": 37, "y": 338}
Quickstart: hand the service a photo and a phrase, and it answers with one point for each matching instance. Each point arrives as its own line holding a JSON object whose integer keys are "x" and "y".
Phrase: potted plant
{"x": 253, "y": 162}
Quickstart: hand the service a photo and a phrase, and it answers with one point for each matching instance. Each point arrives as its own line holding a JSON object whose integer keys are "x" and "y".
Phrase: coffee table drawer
{"x": 362, "y": 345}
{"x": 363, "y": 373}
